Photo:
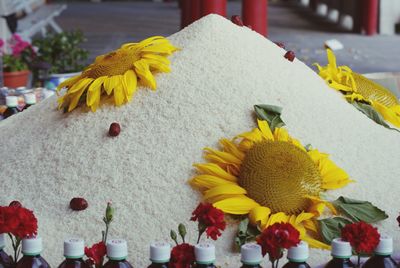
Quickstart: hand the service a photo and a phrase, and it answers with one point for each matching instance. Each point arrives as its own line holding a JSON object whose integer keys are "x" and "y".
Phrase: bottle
{"x": 30, "y": 99}
{"x": 31, "y": 249}
{"x": 12, "y": 103}
{"x": 117, "y": 251}
{"x": 382, "y": 255}
{"x": 160, "y": 253}
{"x": 205, "y": 255}
{"x": 297, "y": 256}
{"x": 74, "y": 250}
{"x": 251, "y": 256}
{"x": 341, "y": 253}
{"x": 5, "y": 260}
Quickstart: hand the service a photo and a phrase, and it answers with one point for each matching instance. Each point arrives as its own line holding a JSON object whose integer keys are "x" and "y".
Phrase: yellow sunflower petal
{"x": 119, "y": 96}
{"x": 94, "y": 91}
{"x": 333, "y": 177}
{"x": 225, "y": 189}
{"x": 224, "y": 157}
{"x": 313, "y": 243}
{"x": 208, "y": 181}
{"x": 310, "y": 226}
{"x": 259, "y": 216}
{"x": 281, "y": 134}
{"x": 215, "y": 170}
{"x": 388, "y": 114}
{"x": 277, "y": 217}
{"x": 69, "y": 82}
{"x": 143, "y": 72}
{"x": 112, "y": 82}
{"x": 130, "y": 83}
{"x": 236, "y": 205}
{"x": 265, "y": 130}
{"x": 231, "y": 148}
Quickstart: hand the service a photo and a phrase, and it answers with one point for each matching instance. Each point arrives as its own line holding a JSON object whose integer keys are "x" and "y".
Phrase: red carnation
{"x": 211, "y": 220}
{"x": 182, "y": 256}
{"x": 18, "y": 221}
{"x": 363, "y": 237}
{"x": 277, "y": 237}
{"x": 96, "y": 253}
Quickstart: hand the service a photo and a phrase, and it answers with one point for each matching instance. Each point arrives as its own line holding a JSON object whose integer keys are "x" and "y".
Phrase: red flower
{"x": 277, "y": 237}
{"x": 210, "y": 219}
{"x": 96, "y": 253}
{"x": 182, "y": 256}
{"x": 363, "y": 237}
{"x": 19, "y": 221}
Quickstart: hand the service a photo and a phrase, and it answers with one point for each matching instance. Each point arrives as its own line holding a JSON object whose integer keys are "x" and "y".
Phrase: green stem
{"x": 106, "y": 233}
{"x": 358, "y": 260}
{"x": 201, "y": 232}
{"x": 277, "y": 263}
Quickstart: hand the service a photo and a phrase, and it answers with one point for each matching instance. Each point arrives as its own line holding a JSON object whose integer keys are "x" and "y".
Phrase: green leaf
{"x": 331, "y": 228}
{"x": 246, "y": 233}
{"x": 371, "y": 113}
{"x": 271, "y": 114}
{"x": 358, "y": 210}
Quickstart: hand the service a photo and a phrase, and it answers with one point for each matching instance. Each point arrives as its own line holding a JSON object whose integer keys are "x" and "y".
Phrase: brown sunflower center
{"x": 279, "y": 175}
{"x": 114, "y": 63}
{"x": 374, "y": 92}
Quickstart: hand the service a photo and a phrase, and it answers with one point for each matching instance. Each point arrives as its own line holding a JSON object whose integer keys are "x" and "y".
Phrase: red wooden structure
{"x": 254, "y": 12}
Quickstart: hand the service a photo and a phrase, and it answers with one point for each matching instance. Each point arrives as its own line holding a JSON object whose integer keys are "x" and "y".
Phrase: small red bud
{"x": 114, "y": 130}
{"x": 78, "y": 203}
{"x": 290, "y": 55}
{"x": 237, "y": 20}
{"x": 280, "y": 44}
{"x": 15, "y": 203}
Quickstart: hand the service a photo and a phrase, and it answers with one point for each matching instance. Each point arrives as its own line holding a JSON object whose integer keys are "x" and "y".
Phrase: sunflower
{"x": 118, "y": 73}
{"x": 357, "y": 87}
{"x": 270, "y": 177}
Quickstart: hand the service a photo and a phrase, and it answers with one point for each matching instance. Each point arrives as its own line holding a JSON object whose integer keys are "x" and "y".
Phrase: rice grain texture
{"x": 48, "y": 157}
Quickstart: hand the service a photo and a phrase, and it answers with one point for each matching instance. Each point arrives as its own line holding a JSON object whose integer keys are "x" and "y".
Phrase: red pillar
{"x": 185, "y": 13}
{"x": 370, "y": 17}
{"x": 195, "y": 13}
{"x": 213, "y": 7}
{"x": 254, "y": 13}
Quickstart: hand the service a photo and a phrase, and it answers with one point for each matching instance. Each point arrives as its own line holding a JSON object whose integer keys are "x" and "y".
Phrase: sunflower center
{"x": 114, "y": 63}
{"x": 279, "y": 175}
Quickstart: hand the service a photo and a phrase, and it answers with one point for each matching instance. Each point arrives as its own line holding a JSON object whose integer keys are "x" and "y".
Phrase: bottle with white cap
{"x": 160, "y": 254}
{"x": 382, "y": 255}
{"x": 31, "y": 249}
{"x": 5, "y": 260}
{"x": 117, "y": 252}
{"x": 30, "y": 99}
{"x": 298, "y": 256}
{"x": 341, "y": 253}
{"x": 205, "y": 255}
{"x": 251, "y": 255}
{"x": 74, "y": 250}
{"x": 12, "y": 104}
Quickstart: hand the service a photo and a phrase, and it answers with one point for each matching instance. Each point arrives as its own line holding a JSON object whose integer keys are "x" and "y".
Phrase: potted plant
{"x": 17, "y": 55}
{"x": 62, "y": 54}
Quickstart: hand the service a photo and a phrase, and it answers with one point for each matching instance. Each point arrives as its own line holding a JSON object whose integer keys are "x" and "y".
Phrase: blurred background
{"x": 67, "y": 35}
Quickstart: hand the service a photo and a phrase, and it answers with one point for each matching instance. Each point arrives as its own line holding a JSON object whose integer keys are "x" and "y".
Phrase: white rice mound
{"x": 48, "y": 157}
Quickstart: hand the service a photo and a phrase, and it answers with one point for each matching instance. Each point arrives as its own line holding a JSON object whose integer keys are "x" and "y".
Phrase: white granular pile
{"x": 47, "y": 157}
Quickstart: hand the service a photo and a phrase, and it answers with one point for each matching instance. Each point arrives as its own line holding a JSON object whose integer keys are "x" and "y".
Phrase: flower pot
{"x": 55, "y": 79}
{"x": 16, "y": 79}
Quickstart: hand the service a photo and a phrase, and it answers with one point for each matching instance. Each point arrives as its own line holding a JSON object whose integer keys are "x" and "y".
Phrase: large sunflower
{"x": 271, "y": 177}
{"x": 118, "y": 73}
{"x": 359, "y": 88}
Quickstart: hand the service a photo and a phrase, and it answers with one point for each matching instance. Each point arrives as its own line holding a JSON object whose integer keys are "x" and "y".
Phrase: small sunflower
{"x": 118, "y": 73}
{"x": 356, "y": 87}
{"x": 271, "y": 177}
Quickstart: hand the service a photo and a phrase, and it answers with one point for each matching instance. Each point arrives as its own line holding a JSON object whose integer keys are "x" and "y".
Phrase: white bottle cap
{"x": 12, "y": 101}
{"x": 2, "y": 241}
{"x": 74, "y": 248}
{"x": 204, "y": 253}
{"x": 298, "y": 253}
{"x": 30, "y": 98}
{"x": 251, "y": 254}
{"x": 341, "y": 249}
{"x": 160, "y": 252}
{"x": 117, "y": 249}
{"x": 385, "y": 246}
{"x": 32, "y": 246}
